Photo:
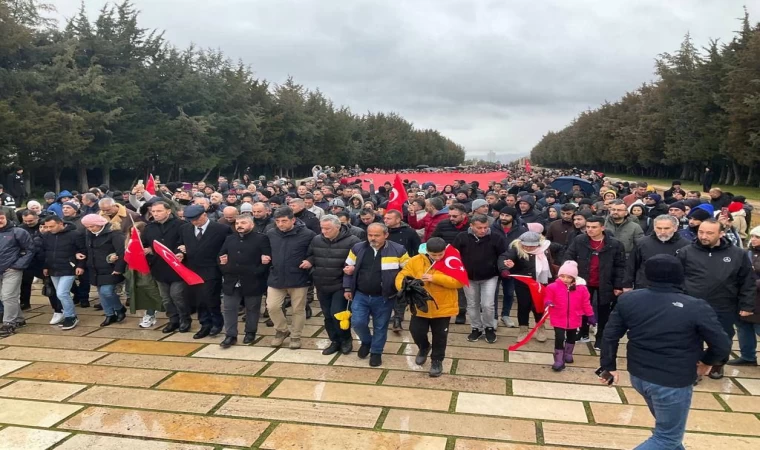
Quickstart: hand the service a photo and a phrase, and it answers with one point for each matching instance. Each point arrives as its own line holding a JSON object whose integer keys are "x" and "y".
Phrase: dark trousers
{"x": 525, "y": 305}
{"x": 230, "y": 305}
{"x": 508, "y": 288}
{"x": 331, "y": 304}
{"x": 562, "y": 335}
{"x": 207, "y": 299}
{"x": 174, "y": 301}
{"x": 727, "y": 320}
{"x": 602, "y": 312}
{"x": 26, "y": 286}
{"x": 82, "y": 289}
{"x": 439, "y": 327}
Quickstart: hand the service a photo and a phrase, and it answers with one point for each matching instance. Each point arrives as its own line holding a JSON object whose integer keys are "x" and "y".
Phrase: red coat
{"x": 428, "y": 222}
{"x": 568, "y": 306}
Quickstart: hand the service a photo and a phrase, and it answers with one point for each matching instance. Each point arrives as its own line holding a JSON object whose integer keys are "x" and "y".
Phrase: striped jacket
{"x": 393, "y": 258}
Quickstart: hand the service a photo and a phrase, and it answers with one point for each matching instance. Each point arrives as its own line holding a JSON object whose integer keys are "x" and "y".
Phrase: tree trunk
{"x": 208, "y": 172}
{"x": 82, "y": 177}
{"x": 749, "y": 174}
{"x": 107, "y": 176}
{"x": 57, "y": 178}
{"x": 728, "y": 173}
{"x": 737, "y": 173}
{"x": 685, "y": 172}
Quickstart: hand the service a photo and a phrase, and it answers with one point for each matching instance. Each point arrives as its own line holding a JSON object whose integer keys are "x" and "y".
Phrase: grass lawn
{"x": 752, "y": 193}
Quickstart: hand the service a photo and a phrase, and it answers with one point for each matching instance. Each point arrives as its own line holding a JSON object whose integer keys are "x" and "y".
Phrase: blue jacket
{"x": 57, "y": 207}
{"x": 16, "y": 248}
{"x": 393, "y": 258}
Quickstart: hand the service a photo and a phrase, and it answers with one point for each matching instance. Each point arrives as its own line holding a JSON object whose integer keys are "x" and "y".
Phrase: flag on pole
{"x": 135, "y": 256}
{"x": 451, "y": 265}
{"x": 150, "y": 186}
{"x": 186, "y": 274}
{"x": 397, "y": 196}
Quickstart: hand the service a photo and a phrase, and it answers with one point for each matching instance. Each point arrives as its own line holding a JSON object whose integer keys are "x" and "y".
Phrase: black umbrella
{"x": 414, "y": 294}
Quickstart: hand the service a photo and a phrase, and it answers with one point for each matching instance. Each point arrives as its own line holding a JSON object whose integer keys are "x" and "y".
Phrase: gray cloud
{"x": 493, "y": 75}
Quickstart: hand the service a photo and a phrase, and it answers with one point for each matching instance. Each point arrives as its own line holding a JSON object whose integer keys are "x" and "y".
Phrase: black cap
{"x": 509, "y": 210}
{"x": 664, "y": 269}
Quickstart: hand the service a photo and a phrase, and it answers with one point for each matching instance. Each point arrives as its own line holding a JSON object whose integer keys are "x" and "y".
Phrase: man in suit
{"x": 200, "y": 243}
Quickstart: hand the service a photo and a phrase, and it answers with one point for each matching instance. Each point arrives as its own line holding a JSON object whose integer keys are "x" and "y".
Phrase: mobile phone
{"x": 187, "y": 186}
{"x": 140, "y": 181}
{"x": 724, "y": 212}
{"x": 605, "y": 375}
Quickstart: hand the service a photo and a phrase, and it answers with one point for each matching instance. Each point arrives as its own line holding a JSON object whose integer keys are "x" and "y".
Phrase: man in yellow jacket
{"x": 443, "y": 289}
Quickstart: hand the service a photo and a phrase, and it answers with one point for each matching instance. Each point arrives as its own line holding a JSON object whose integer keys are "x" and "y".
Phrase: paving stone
{"x": 460, "y": 425}
{"x": 94, "y": 321}
{"x": 485, "y": 354}
{"x": 91, "y": 374}
{"x": 298, "y": 411}
{"x": 139, "y": 334}
{"x": 171, "y": 426}
{"x": 148, "y": 399}
{"x": 547, "y": 359}
{"x": 17, "y": 438}
{"x": 723, "y": 386}
{"x": 699, "y": 400}
{"x": 742, "y": 371}
{"x": 183, "y": 364}
{"x": 53, "y": 341}
{"x": 324, "y": 373}
{"x": 300, "y": 356}
{"x": 565, "y": 391}
{"x": 151, "y": 348}
{"x": 8, "y": 366}
{"x": 305, "y": 437}
{"x": 446, "y": 382}
{"x": 220, "y": 384}
{"x": 246, "y": 353}
{"x": 91, "y": 441}
{"x": 55, "y": 330}
{"x": 594, "y": 436}
{"x": 362, "y": 394}
{"x": 50, "y": 355}
{"x": 398, "y": 362}
{"x": 753, "y": 386}
{"x": 34, "y": 414}
{"x": 41, "y": 390}
{"x": 738, "y": 403}
{"x": 532, "y": 372}
{"x": 469, "y": 444}
{"x": 521, "y": 407}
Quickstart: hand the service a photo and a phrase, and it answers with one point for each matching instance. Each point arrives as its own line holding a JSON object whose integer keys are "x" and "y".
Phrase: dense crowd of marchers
{"x": 107, "y": 96}
{"x": 704, "y": 110}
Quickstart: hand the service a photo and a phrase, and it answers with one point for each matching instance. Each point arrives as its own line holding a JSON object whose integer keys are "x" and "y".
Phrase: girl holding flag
{"x": 141, "y": 286}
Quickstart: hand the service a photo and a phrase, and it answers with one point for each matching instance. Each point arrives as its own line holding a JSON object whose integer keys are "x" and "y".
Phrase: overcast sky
{"x": 491, "y": 75}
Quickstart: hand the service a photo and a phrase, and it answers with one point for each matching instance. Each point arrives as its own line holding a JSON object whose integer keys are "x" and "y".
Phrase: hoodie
{"x": 57, "y": 207}
{"x": 530, "y": 216}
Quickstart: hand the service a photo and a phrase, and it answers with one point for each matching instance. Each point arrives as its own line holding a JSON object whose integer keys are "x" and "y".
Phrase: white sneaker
{"x": 508, "y": 322}
{"x": 148, "y": 321}
{"x": 57, "y": 318}
{"x": 592, "y": 328}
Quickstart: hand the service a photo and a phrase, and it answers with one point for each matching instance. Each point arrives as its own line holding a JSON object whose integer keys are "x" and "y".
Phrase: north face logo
{"x": 726, "y": 259}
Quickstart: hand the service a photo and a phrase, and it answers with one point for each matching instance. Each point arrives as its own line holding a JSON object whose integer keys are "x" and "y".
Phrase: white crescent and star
{"x": 394, "y": 195}
{"x": 448, "y": 260}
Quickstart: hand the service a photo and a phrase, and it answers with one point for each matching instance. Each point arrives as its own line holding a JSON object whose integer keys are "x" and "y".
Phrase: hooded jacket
{"x": 720, "y": 275}
{"x": 98, "y": 248}
{"x": 60, "y": 251}
{"x": 627, "y": 232}
{"x": 645, "y": 248}
{"x": 408, "y": 238}
{"x": 57, "y": 207}
{"x": 480, "y": 255}
{"x": 443, "y": 288}
{"x": 328, "y": 257}
{"x": 568, "y": 305}
{"x": 530, "y": 216}
{"x": 428, "y": 222}
{"x": 16, "y": 248}
{"x": 289, "y": 249}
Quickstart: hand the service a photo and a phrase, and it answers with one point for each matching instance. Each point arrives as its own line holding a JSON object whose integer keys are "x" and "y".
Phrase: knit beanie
{"x": 755, "y": 231}
{"x": 664, "y": 269}
{"x": 478, "y": 203}
{"x": 536, "y": 227}
{"x": 71, "y": 204}
{"x": 49, "y": 195}
{"x": 509, "y": 210}
{"x": 678, "y": 205}
{"x": 569, "y": 268}
{"x": 699, "y": 214}
{"x": 94, "y": 220}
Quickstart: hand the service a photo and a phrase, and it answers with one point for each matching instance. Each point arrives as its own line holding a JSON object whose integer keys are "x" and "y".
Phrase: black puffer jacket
{"x": 309, "y": 219}
{"x": 644, "y": 249}
{"x": 447, "y": 231}
{"x": 39, "y": 258}
{"x": 98, "y": 249}
{"x": 721, "y": 275}
{"x": 60, "y": 251}
{"x": 479, "y": 255}
{"x": 611, "y": 264}
{"x": 16, "y": 248}
{"x": 166, "y": 233}
{"x": 328, "y": 259}
{"x": 406, "y": 236}
{"x": 244, "y": 263}
{"x": 289, "y": 249}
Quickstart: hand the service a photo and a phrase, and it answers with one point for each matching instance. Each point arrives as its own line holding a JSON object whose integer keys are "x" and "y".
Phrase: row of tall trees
{"x": 702, "y": 111}
{"x": 108, "y": 96}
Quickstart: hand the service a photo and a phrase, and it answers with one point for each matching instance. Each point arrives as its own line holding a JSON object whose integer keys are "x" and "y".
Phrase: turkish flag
{"x": 527, "y": 166}
{"x": 397, "y": 196}
{"x": 186, "y": 274}
{"x": 536, "y": 290}
{"x": 134, "y": 256}
{"x": 451, "y": 265}
{"x": 150, "y": 186}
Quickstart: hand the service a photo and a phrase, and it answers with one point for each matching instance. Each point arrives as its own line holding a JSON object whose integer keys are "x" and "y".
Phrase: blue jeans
{"x": 670, "y": 408}
{"x": 380, "y": 309}
{"x": 748, "y": 333}
{"x": 63, "y": 290}
{"x": 109, "y": 299}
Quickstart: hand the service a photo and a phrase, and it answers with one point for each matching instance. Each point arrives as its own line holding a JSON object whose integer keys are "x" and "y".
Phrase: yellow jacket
{"x": 443, "y": 288}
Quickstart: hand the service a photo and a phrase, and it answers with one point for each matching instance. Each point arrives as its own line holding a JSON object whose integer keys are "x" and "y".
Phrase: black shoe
{"x": 375, "y": 360}
{"x": 228, "y": 342}
{"x": 170, "y": 327}
{"x": 422, "y": 356}
{"x": 69, "y": 323}
{"x": 346, "y": 346}
{"x": 98, "y": 307}
{"x": 397, "y": 325}
{"x": 741, "y": 362}
{"x": 214, "y": 331}
{"x": 84, "y": 304}
{"x": 7, "y": 329}
{"x": 269, "y": 323}
{"x": 184, "y": 327}
{"x": 363, "y": 351}
{"x": 121, "y": 314}
{"x": 202, "y": 333}
{"x": 249, "y": 338}
{"x": 109, "y": 320}
{"x": 436, "y": 368}
{"x": 25, "y": 306}
{"x": 266, "y": 314}
{"x": 308, "y": 312}
{"x": 331, "y": 349}
{"x": 461, "y": 319}
{"x": 490, "y": 335}
{"x": 716, "y": 373}
{"x": 20, "y": 323}
{"x": 475, "y": 335}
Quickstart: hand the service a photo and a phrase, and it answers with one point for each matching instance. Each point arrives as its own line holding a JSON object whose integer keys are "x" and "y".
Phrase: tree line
{"x": 702, "y": 111}
{"x": 106, "y": 96}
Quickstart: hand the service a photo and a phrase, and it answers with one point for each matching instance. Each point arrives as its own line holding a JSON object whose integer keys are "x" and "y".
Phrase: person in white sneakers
{"x": 142, "y": 288}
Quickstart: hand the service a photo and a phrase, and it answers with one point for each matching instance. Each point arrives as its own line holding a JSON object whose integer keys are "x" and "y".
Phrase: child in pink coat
{"x": 569, "y": 301}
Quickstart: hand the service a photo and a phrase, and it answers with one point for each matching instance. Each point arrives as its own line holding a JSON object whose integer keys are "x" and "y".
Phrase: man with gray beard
{"x": 664, "y": 240}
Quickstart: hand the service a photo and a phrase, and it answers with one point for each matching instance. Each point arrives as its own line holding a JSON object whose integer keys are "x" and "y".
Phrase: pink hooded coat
{"x": 568, "y": 306}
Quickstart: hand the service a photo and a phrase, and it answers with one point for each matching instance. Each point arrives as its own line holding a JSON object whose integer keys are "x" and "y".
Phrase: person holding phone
{"x": 666, "y": 329}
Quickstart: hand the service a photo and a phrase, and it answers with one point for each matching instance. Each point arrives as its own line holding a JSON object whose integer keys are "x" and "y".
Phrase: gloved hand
{"x": 592, "y": 320}
{"x": 548, "y": 305}
{"x": 505, "y": 273}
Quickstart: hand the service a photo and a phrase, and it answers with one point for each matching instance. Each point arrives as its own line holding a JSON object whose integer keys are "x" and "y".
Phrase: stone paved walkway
{"x": 125, "y": 388}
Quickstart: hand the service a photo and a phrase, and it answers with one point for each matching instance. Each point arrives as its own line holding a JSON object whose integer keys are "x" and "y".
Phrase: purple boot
{"x": 559, "y": 360}
{"x": 569, "y": 353}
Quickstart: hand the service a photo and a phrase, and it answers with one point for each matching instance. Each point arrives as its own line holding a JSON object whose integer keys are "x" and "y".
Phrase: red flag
{"x": 397, "y": 196}
{"x": 536, "y": 290}
{"x": 134, "y": 256}
{"x": 186, "y": 274}
{"x": 527, "y": 166}
{"x": 451, "y": 265}
{"x": 150, "y": 186}
{"x": 529, "y": 336}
